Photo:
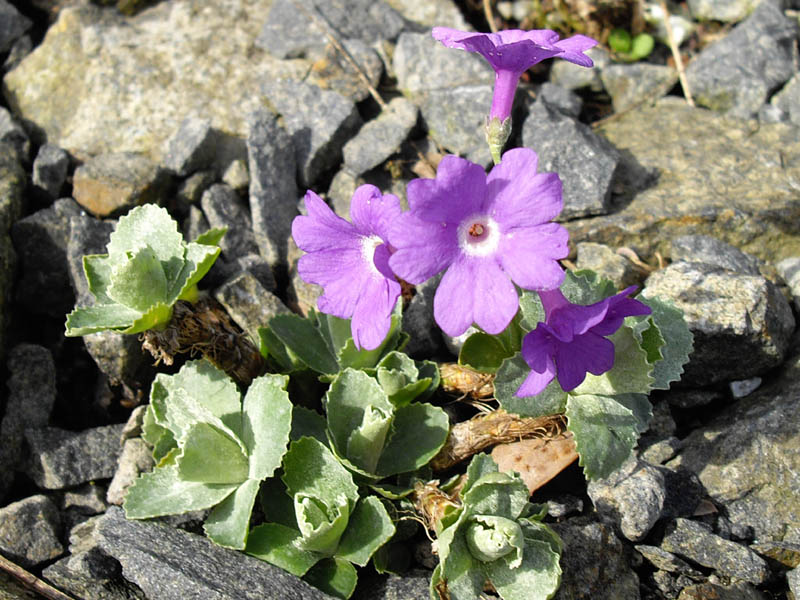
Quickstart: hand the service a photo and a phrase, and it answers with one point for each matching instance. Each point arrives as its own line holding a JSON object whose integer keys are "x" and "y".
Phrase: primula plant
{"x": 340, "y": 442}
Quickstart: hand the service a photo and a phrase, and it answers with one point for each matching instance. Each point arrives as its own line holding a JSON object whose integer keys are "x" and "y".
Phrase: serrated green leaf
{"x": 531, "y": 310}
{"x": 537, "y": 578}
{"x": 428, "y": 369}
{"x": 156, "y": 317}
{"x": 149, "y": 225}
{"x": 512, "y": 373}
{"x": 97, "y": 268}
{"x": 483, "y": 352}
{"x": 630, "y": 373}
{"x": 312, "y": 470}
{"x": 420, "y": 431}
{"x": 333, "y": 576}
{"x": 307, "y": 422}
{"x": 648, "y": 336}
{"x": 679, "y": 341}
{"x": 197, "y": 261}
{"x": 100, "y": 317}
{"x": 480, "y": 465}
{"x": 266, "y": 423}
{"x": 586, "y": 287}
{"x": 605, "y": 432}
{"x": 138, "y": 282}
{"x": 229, "y": 521}
{"x": 160, "y": 438}
{"x": 177, "y": 409}
{"x": 399, "y": 377}
{"x": 370, "y": 527}
{"x": 277, "y": 545}
{"x": 162, "y": 492}
{"x": 304, "y": 340}
{"x": 274, "y": 350}
{"x": 335, "y": 331}
{"x": 640, "y": 407}
{"x": 532, "y": 529}
{"x": 366, "y": 441}
{"x": 211, "y": 456}
{"x": 498, "y": 494}
{"x": 211, "y": 237}
{"x": 462, "y": 572}
{"x": 390, "y": 491}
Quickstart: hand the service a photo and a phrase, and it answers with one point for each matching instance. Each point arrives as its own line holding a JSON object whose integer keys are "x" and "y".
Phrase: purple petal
{"x": 516, "y": 57}
{"x": 573, "y": 49}
{"x": 536, "y": 382}
{"x": 452, "y": 38}
{"x": 530, "y": 256}
{"x": 458, "y": 191}
{"x": 505, "y": 88}
{"x": 619, "y": 307}
{"x": 422, "y": 248}
{"x": 474, "y": 290}
{"x": 581, "y": 318}
{"x": 542, "y": 37}
{"x": 372, "y": 213}
{"x": 587, "y": 353}
{"x": 537, "y": 350}
{"x": 322, "y": 229}
{"x": 372, "y": 315}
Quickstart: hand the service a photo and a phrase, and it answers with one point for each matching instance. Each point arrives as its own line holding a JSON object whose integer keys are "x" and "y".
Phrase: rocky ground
{"x": 177, "y": 104}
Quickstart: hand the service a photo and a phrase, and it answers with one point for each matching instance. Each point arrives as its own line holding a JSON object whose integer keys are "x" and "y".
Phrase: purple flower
{"x": 572, "y": 340}
{"x": 510, "y": 53}
{"x": 487, "y": 232}
{"x": 351, "y": 261}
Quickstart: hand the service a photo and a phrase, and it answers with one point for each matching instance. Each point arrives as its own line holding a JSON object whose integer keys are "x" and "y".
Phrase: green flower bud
{"x": 320, "y": 524}
{"x": 497, "y": 134}
{"x": 490, "y": 538}
{"x": 365, "y": 444}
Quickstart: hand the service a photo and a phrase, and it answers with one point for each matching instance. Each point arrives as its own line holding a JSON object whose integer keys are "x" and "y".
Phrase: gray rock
{"x": 747, "y": 460}
{"x": 414, "y": 585}
{"x": 432, "y": 13}
{"x": 726, "y": 80}
{"x": 564, "y": 505}
{"x": 629, "y": 85}
{"x": 692, "y": 541}
{"x": 741, "y": 323}
{"x": 575, "y": 77}
{"x": 319, "y": 122}
{"x": 192, "y": 148}
{"x": 12, "y": 186}
{"x": 632, "y": 498}
{"x": 379, "y": 138}
{"x": 684, "y": 489}
{"x": 666, "y": 561}
{"x": 789, "y": 269}
{"x": 31, "y": 394}
{"x": 584, "y": 161}
{"x": 61, "y": 459}
{"x": 588, "y": 544}
{"x": 224, "y": 208}
{"x": 91, "y": 575}
{"x": 418, "y": 322}
{"x": 735, "y": 591}
{"x": 237, "y": 176}
{"x": 191, "y": 189}
{"x": 112, "y": 184}
{"x": 170, "y": 564}
{"x": 294, "y": 28}
{"x": 41, "y": 243}
{"x": 609, "y": 264}
{"x": 12, "y": 133}
{"x": 12, "y": 25}
{"x": 727, "y": 11}
{"x": 300, "y": 296}
{"x": 712, "y": 251}
{"x": 135, "y": 458}
{"x": 256, "y": 266}
{"x": 745, "y": 387}
{"x": 19, "y": 50}
{"x": 555, "y": 96}
{"x": 456, "y": 119}
{"x": 88, "y": 499}
{"x": 660, "y": 451}
{"x": 333, "y": 70}
{"x": 714, "y": 176}
{"x": 785, "y": 553}
{"x": 273, "y": 191}
{"x": 681, "y": 399}
{"x": 248, "y": 303}
{"x": 50, "y": 170}
{"x": 787, "y": 100}
{"x": 30, "y": 530}
{"x": 793, "y": 579}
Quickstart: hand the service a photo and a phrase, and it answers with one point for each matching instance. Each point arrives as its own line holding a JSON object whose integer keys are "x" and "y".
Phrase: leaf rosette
{"x": 147, "y": 269}
{"x": 498, "y": 538}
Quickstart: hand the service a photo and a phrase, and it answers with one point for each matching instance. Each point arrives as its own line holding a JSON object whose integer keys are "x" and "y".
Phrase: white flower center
{"x": 368, "y": 246}
{"x": 478, "y": 235}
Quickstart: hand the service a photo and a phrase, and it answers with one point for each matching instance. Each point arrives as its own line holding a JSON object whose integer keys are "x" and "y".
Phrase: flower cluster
{"x": 487, "y": 234}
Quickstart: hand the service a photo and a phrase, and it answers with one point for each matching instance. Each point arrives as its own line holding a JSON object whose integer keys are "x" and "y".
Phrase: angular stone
{"x": 692, "y": 541}
{"x": 318, "y": 121}
{"x": 192, "y": 148}
{"x": 273, "y": 191}
{"x": 742, "y": 324}
{"x": 379, "y": 138}
{"x": 629, "y": 85}
{"x": 136, "y": 457}
{"x": 12, "y": 186}
{"x": 566, "y": 101}
{"x": 787, "y": 101}
{"x": 786, "y": 553}
{"x": 710, "y": 250}
{"x": 588, "y": 544}
{"x": 727, "y": 80}
{"x": 414, "y": 585}
{"x": 41, "y": 243}
{"x": 442, "y": 13}
{"x": 665, "y": 561}
{"x": 584, "y": 161}
{"x": 575, "y": 77}
{"x": 92, "y": 575}
{"x": 418, "y": 322}
{"x": 50, "y": 170}
{"x": 248, "y": 303}
{"x": 332, "y": 70}
{"x": 707, "y": 175}
{"x": 61, "y": 459}
{"x": 224, "y": 208}
{"x": 170, "y": 564}
{"x": 12, "y": 25}
{"x": 237, "y": 176}
{"x": 736, "y": 591}
{"x": 112, "y": 184}
{"x": 609, "y": 264}
{"x": 727, "y": 11}
{"x": 789, "y": 269}
{"x": 793, "y": 579}
{"x": 30, "y": 530}
{"x": 632, "y": 498}
{"x": 294, "y": 28}
{"x": 747, "y": 457}
{"x": 12, "y": 133}
{"x": 191, "y": 189}
{"x": 301, "y": 296}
